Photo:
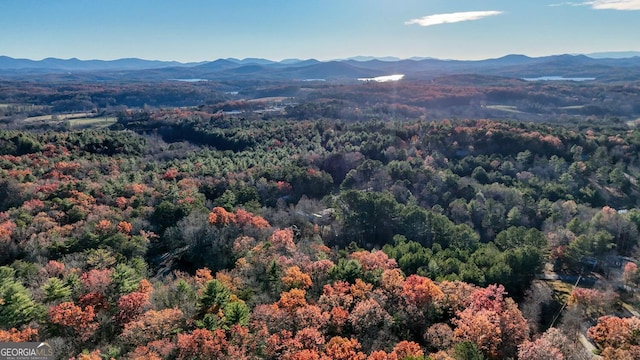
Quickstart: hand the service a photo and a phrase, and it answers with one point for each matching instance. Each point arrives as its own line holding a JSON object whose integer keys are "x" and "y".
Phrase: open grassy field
{"x": 633, "y": 123}
{"x": 270, "y": 99}
{"x": 21, "y": 108}
{"x": 574, "y": 107}
{"x": 76, "y": 120}
{"x": 97, "y": 122}
{"x": 58, "y": 117}
{"x": 505, "y": 108}
{"x": 561, "y": 288}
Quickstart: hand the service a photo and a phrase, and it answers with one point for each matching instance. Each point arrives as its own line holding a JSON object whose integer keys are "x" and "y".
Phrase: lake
{"x": 559, "y": 78}
{"x": 190, "y": 80}
{"x": 386, "y": 78}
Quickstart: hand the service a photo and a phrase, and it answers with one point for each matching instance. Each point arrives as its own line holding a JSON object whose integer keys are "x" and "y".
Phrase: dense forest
{"x": 437, "y": 220}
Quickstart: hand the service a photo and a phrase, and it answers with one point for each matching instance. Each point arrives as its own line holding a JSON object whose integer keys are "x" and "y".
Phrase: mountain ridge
{"x": 350, "y": 69}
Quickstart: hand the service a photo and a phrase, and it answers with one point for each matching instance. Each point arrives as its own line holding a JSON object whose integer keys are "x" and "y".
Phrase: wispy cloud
{"x": 605, "y": 4}
{"x": 616, "y": 4}
{"x": 570, "y": 4}
{"x": 438, "y": 19}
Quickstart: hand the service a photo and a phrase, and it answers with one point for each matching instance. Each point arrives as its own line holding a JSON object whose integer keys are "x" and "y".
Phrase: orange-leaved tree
{"x": 78, "y": 320}
{"x": 221, "y": 217}
{"x": 202, "y": 344}
{"x": 295, "y": 278}
{"x": 493, "y": 322}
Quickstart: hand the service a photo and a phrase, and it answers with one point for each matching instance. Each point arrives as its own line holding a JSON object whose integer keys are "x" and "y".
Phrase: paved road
{"x": 588, "y": 346}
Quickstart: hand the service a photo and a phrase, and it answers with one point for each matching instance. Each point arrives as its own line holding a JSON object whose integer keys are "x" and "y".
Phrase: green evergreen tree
{"x": 214, "y": 296}
{"x": 17, "y": 306}
{"x": 56, "y": 290}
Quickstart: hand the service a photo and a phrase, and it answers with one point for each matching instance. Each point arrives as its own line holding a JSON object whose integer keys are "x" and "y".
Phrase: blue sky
{"x": 198, "y": 30}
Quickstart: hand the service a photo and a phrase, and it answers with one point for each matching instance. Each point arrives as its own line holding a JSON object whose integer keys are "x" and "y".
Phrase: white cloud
{"x": 606, "y": 4}
{"x": 615, "y": 4}
{"x": 438, "y": 19}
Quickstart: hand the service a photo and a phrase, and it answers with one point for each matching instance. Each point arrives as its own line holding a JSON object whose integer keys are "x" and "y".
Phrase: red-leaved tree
{"x": 202, "y": 344}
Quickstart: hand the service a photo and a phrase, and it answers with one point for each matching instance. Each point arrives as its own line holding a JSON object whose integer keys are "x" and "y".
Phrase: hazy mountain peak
{"x": 614, "y": 55}
{"x": 369, "y": 58}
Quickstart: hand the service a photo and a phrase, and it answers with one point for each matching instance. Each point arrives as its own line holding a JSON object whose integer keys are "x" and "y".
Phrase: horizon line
{"x": 389, "y": 58}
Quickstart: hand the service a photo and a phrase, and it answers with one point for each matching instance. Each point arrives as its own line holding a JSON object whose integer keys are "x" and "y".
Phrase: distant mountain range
{"x": 74, "y": 64}
{"x": 601, "y": 66}
{"x": 614, "y": 54}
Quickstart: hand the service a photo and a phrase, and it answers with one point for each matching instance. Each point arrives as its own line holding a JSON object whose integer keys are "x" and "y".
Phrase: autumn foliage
{"x": 190, "y": 232}
{"x": 420, "y": 291}
{"x": 340, "y": 348}
{"x": 617, "y": 337}
{"x": 294, "y": 278}
{"x": 152, "y": 325}
{"x": 202, "y": 344}
{"x": 283, "y": 239}
{"x": 245, "y": 218}
{"x": 130, "y": 306}
{"x": 493, "y": 322}
{"x": 15, "y": 335}
{"x": 221, "y": 217}
{"x": 79, "y": 320}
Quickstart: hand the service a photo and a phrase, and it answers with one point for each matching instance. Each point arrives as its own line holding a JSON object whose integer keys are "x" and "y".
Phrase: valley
{"x": 459, "y": 212}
